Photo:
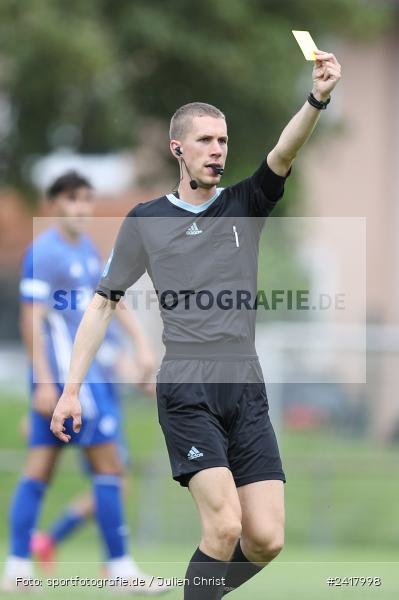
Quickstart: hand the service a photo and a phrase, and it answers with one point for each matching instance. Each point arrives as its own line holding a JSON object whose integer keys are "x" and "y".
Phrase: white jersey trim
{"x": 35, "y": 289}
{"x": 194, "y": 208}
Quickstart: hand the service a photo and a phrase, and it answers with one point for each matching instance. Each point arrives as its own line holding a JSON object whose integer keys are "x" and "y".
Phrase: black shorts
{"x": 218, "y": 425}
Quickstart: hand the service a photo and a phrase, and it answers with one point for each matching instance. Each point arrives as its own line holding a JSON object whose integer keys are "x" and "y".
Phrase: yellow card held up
{"x": 306, "y": 44}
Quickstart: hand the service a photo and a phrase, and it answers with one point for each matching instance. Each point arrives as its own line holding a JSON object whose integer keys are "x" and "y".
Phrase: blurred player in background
{"x": 81, "y": 509}
{"x": 60, "y": 271}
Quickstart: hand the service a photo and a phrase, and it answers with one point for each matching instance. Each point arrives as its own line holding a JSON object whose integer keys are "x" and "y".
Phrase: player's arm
{"x": 32, "y": 317}
{"x": 326, "y": 74}
{"x": 89, "y": 337}
{"x": 145, "y": 358}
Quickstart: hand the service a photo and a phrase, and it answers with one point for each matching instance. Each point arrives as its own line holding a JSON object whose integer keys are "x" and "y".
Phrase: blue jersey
{"x": 63, "y": 276}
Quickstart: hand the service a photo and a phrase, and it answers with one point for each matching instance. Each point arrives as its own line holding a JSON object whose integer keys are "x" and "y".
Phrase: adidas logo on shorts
{"x": 193, "y": 230}
{"x": 194, "y": 453}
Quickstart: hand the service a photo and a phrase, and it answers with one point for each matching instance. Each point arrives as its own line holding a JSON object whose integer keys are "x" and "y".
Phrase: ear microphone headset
{"x": 193, "y": 183}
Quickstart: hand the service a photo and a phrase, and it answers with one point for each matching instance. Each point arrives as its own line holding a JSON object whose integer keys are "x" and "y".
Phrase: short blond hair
{"x": 181, "y": 120}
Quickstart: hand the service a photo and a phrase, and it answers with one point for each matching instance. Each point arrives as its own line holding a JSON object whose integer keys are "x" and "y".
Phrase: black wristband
{"x": 319, "y": 104}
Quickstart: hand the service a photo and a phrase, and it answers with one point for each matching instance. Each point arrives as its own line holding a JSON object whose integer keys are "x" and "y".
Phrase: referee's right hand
{"x": 68, "y": 406}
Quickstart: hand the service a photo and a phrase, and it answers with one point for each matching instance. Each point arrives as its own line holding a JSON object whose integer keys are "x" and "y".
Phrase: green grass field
{"x": 342, "y": 513}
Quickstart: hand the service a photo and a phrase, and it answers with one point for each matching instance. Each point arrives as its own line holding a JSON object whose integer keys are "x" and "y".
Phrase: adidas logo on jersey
{"x": 193, "y": 230}
{"x": 194, "y": 453}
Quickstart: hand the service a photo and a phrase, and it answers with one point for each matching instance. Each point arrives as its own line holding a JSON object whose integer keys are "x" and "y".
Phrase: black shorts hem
{"x": 273, "y": 475}
{"x": 184, "y": 478}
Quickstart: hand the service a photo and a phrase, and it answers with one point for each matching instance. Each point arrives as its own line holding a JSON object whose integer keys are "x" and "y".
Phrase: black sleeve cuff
{"x": 114, "y": 295}
{"x": 271, "y": 184}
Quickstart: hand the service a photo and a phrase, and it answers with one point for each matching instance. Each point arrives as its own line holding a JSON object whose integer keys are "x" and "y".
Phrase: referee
{"x": 200, "y": 248}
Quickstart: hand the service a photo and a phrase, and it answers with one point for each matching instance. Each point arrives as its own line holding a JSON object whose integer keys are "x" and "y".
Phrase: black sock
{"x": 205, "y": 577}
{"x": 239, "y": 571}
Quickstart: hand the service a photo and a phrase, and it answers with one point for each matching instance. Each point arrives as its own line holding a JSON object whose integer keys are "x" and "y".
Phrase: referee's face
{"x": 204, "y": 144}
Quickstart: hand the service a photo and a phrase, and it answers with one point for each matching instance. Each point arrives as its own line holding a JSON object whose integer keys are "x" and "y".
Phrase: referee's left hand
{"x": 326, "y": 74}
{"x": 68, "y": 406}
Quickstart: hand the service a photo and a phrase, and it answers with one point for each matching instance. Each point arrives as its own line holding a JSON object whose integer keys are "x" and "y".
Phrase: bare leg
{"x": 262, "y": 537}
{"x": 263, "y": 520}
{"x": 41, "y": 462}
{"x": 219, "y": 508}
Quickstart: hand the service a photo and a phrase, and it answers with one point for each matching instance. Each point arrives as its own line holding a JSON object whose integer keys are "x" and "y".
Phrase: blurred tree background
{"x": 87, "y": 75}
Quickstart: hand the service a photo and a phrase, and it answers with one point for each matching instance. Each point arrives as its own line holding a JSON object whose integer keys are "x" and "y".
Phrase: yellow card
{"x": 306, "y": 44}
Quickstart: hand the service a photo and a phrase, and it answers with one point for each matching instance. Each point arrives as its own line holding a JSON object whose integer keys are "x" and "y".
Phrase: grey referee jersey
{"x": 203, "y": 263}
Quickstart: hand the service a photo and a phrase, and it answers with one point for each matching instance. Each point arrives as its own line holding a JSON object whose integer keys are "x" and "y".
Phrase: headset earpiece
{"x": 193, "y": 182}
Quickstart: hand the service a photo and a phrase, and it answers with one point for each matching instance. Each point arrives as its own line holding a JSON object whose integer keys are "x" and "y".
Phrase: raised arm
{"x": 88, "y": 339}
{"x": 326, "y": 74}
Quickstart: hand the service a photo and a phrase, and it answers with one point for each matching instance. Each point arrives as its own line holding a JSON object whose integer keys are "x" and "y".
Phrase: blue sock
{"x": 66, "y": 523}
{"x": 24, "y": 512}
{"x": 109, "y": 514}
